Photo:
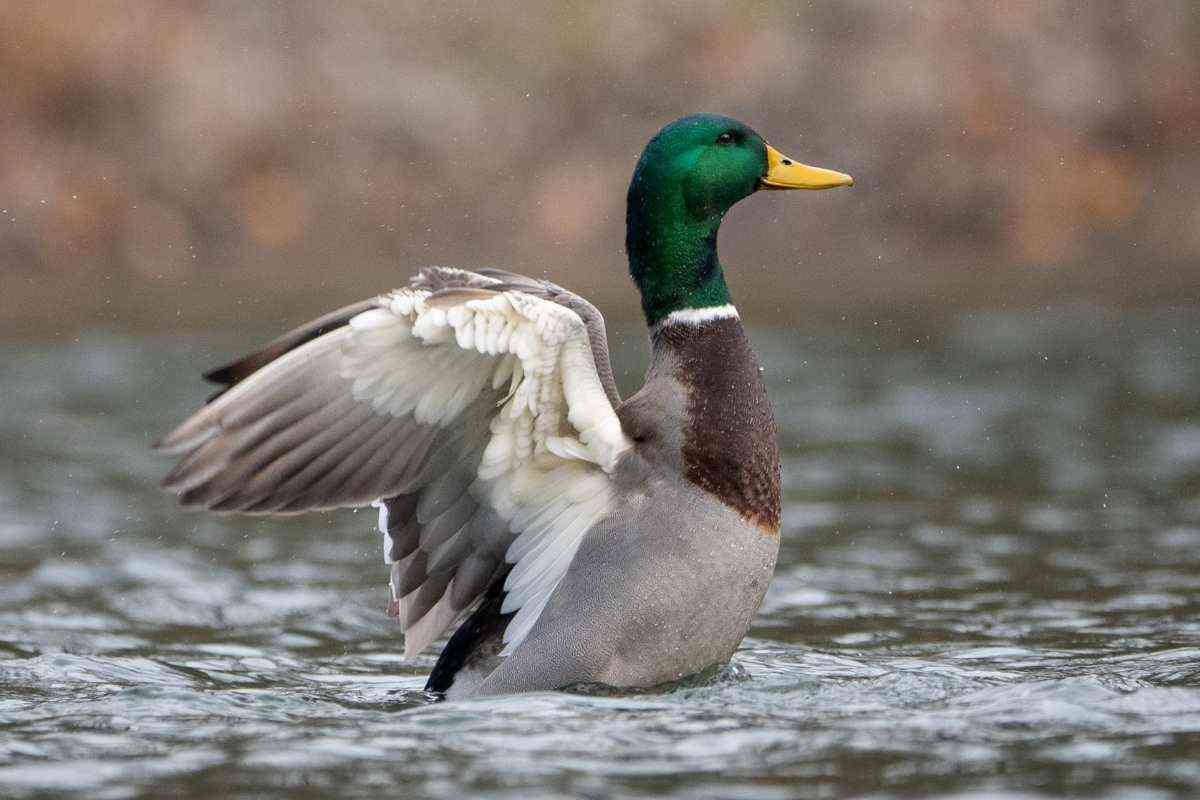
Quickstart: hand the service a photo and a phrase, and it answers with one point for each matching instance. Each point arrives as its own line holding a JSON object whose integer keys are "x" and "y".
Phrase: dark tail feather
{"x": 477, "y": 639}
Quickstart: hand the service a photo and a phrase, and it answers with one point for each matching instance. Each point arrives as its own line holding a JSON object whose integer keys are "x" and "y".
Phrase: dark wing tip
{"x": 226, "y": 375}
{"x": 235, "y": 372}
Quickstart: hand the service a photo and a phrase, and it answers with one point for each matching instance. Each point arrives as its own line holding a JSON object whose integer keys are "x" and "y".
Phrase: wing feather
{"x": 476, "y": 409}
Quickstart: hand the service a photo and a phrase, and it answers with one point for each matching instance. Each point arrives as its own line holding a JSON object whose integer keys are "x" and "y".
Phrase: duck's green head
{"x": 689, "y": 175}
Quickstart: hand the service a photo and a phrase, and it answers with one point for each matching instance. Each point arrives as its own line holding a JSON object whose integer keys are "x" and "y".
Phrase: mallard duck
{"x": 580, "y": 538}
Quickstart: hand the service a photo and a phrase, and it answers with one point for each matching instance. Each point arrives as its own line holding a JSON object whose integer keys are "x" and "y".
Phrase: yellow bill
{"x": 784, "y": 173}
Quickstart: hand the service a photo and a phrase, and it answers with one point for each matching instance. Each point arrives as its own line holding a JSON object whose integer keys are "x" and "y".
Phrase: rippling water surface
{"x": 989, "y": 586}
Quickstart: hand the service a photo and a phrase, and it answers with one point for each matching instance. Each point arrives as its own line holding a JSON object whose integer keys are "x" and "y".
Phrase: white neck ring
{"x": 698, "y": 316}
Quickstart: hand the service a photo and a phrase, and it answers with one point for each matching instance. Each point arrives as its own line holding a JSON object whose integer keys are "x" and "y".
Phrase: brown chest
{"x": 730, "y": 444}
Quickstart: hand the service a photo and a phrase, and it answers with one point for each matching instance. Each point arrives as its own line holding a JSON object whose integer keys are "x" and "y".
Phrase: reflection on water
{"x": 989, "y": 584}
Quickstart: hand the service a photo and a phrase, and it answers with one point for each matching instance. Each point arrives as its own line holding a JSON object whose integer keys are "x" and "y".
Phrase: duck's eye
{"x": 725, "y": 138}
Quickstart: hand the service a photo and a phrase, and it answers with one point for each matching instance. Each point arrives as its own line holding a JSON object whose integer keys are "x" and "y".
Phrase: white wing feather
{"x": 554, "y": 438}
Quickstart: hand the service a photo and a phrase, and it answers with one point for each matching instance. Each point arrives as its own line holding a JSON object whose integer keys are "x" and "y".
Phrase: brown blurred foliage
{"x": 182, "y": 162}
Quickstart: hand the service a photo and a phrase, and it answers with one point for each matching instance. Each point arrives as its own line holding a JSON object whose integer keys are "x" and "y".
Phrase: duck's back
{"x": 668, "y": 583}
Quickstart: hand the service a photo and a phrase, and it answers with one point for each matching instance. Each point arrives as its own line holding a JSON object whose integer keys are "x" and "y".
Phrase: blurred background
{"x": 172, "y": 163}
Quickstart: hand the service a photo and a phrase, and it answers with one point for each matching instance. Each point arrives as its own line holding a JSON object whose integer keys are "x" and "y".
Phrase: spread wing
{"x": 476, "y": 409}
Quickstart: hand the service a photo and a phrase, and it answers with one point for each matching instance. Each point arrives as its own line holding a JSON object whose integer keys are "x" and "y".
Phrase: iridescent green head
{"x": 689, "y": 175}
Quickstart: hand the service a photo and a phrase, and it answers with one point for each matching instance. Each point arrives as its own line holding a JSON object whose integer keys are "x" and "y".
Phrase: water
{"x": 989, "y": 586}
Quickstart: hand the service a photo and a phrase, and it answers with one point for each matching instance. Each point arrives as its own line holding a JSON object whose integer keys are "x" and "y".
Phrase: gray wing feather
{"x": 300, "y": 441}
